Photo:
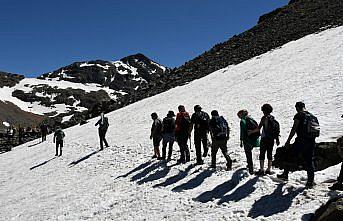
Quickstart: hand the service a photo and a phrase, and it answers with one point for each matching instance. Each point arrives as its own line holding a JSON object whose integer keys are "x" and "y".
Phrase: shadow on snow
{"x": 276, "y": 202}
{"x": 140, "y": 167}
{"x": 174, "y": 179}
{"x": 195, "y": 182}
{"x": 83, "y": 158}
{"x": 41, "y": 164}
{"x": 219, "y": 191}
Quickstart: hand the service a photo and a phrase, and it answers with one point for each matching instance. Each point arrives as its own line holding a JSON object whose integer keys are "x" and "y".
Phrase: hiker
{"x": 339, "y": 184}
{"x": 103, "y": 126}
{"x": 248, "y": 138}
{"x": 58, "y": 138}
{"x": 182, "y": 125}
{"x": 168, "y": 133}
{"x": 270, "y": 132}
{"x": 44, "y": 131}
{"x": 156, "y": 135}
{"x": 220, "y": 134}
{"x": 200, "y": 121}
{"x": 306, "y": 127}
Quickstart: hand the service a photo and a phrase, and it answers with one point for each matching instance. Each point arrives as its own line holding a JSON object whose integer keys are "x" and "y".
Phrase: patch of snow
{"x": 124, "y": 183}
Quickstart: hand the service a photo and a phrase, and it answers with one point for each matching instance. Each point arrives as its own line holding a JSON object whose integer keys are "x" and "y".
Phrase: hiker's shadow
{"x": 220, "y": 190}
{"x": 174, "y": 179}
{"x": 241, "y": 192}
{"x": 276, "y": 202}
{"x": 140, "y": 167}
{"x": 158, "y": 174}
{"x": 83, "y": 158}
{"x": 146, "y": 171}
{"x": 41, "y": 164}
{"x": 195, "y": 182}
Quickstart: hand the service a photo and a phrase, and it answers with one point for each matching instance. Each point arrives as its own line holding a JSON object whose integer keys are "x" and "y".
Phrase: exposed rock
{"x": 331, "y": 211}
{"x": 9, "y": 80}
{"x": 326, "y": 155}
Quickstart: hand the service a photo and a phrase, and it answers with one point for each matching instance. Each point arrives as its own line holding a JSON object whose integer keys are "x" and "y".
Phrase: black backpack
{"x": 311, "y": 127}
{"x": 202, "y": 121}
{"x": 219, "y": 128}
{"x": 252, "y": 125}
{"x": 272, "y": 130}
{"x": 168, "y": 125}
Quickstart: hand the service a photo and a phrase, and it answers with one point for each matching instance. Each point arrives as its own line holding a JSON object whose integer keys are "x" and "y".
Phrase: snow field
{"x": 123, "y": 183}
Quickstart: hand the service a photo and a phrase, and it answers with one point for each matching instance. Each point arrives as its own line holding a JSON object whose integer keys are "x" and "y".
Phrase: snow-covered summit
{"x": 123, "y": 183}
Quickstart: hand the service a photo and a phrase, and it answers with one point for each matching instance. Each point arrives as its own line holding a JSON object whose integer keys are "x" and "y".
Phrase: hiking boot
{"x": 161, "y": 158}
{"x": 153, "y": 157}
{"x": 337, "y": 186}
{"x": 309, "y": 185}
{"x": 269, "y": 172}
{"x": 169, "y": 159}
{"x": 180, "y": 161}
{"x": 229, "y": 165}
{"x": 282, "y": 176}
{"x": 213, "y": 167}
{"x": 259, "y": 173}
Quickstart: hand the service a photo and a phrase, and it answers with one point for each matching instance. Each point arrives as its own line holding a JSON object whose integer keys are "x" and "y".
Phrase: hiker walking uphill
{"x": 200, "y": 121}
{"x": 44, "y": 131}
{"x": 58, "y": 139}
{"x": 156, "y": 135}
{"x": 270, "y": 132}
{"x": 182, "y": 135}
{"x": 248, "y": 138}
{"x": 306, "y": 127}
{"x": 168, "y": 133}
{"x": 103, "y": 126}
{"x": 220, "y": 134}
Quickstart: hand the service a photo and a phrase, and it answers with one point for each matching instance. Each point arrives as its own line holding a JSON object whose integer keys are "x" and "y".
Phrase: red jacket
{"x": 178, "y": 122}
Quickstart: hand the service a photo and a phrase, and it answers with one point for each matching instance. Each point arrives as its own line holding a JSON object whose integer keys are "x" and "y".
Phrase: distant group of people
{"x": 252, "y": 134}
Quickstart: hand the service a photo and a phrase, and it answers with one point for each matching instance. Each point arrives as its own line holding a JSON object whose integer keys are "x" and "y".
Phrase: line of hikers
{"x": 305, "y": 125}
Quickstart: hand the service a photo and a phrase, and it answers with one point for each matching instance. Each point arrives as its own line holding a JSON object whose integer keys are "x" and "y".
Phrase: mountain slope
{"x": 80, "y": 90}
{"x": 121, "y": 182}
{"x": 291, "y": 22}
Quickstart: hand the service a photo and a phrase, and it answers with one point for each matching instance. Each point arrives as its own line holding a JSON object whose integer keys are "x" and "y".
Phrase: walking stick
{"x": 190, "y": 142}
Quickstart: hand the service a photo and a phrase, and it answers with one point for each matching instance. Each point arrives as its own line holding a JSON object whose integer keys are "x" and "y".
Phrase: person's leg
{"x": 56, "y": 154}
{"x": 223, "y": 147}
{"x": 197, "y": 144}
{"x": 263, "y": 150}
{"x": 164, "y": 147}
{"x": 309, "y": 161}
{"x": 61, "y": 147}
{"x": 101, "y": 141}
{"x": 248, "y": 154}
{"x": 170, "y": 151}
{"x": 214, "y": 150}
{"x": 186, "y": 149}
{"x": 340, "y": 177}
{"x": 104, "y": 139}
{"x": 204, "y": 143}
{"x": 182, "y": 152}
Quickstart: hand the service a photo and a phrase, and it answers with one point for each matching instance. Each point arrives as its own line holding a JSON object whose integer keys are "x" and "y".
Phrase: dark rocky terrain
{"x": 9, "y": 80}
{"x": 291, "y": 22}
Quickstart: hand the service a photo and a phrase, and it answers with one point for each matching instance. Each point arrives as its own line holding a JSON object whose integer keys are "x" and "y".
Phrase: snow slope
{"x": 123, "y": 183}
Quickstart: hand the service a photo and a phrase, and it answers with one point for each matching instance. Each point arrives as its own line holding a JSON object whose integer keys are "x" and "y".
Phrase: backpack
{"x": 272, "y": 131}
{"x": 202, "y": 121}
{"x": 219, "y": 128}
{"x": 59, "y": 134}
{"x": 252, "y": 125}
{"x": 105, "y": 124}
{"x": 311, "y": 128}
{"x": 185, "y": 122}
{"x": 168, "y": 125}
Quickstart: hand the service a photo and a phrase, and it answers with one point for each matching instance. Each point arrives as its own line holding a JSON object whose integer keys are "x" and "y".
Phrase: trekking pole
{"x": 190, "y": 142}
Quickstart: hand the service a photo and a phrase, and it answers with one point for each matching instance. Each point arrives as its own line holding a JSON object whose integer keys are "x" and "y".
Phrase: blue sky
{"x": 38, "y": 36}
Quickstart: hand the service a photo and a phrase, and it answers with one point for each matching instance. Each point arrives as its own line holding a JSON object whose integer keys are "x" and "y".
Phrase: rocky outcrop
{"x": 331, "y": 211}
{"x": 326, "y": 155}
{"x": 9, "y": 80}
{"x": 291, "y": 22}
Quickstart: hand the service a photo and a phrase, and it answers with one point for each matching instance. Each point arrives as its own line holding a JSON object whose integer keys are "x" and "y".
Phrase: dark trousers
{"x": 184, "y": 150}
{"x": 167, "y": 139}
{"x": 266, "y": 146}
{"x": 59, "y": 145}
{"x": 219, "y": 144}
{"x": 198, "y": 139}
{"x": 43, "y": 136}
{"x": 340, "y": 177}
{"x": 102, "y": 134}
{"x": 305, "y": 147}
{"x": 248, "y": 154}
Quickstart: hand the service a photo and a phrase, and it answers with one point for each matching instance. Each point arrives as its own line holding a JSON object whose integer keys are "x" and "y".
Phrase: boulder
{"x": 325, "y": 155}
{"x": 331, "y": 211}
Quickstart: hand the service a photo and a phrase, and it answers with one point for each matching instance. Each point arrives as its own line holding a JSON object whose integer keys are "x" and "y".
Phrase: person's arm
{"x": 242, "y": 128}
{"x": 97, "y": 123}
{"x": 191, "y": 125}
{"x": 292, "y": 133}
{"x": 54, "y": 137}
